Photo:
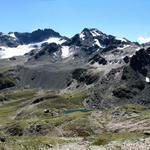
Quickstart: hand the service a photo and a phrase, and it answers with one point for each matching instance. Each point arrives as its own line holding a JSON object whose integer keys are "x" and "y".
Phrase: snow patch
{"x": 138, "y": 49}
{"x": 82, "y": 36}
{"x": 55, "y": 54}
{"x": 95, "y": 33}
{"x": 12, "y": 35}
{"x": 121, "y": 39}
{"x": 125, "y": 46}
{"x": 98, "y": 43}
{"x": 147, "y": 79}
{"x": 50, "y": 40}
{"x": 54, "y": 40}
{"x": 65, "y": 51}
{"x": 5, "y": 34}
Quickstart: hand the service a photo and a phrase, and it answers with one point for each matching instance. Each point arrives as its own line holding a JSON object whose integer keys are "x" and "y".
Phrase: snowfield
{"x": 8, "y": 52}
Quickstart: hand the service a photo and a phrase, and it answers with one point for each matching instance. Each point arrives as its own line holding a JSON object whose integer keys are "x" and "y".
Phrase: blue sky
{"x": 123, "y": 18}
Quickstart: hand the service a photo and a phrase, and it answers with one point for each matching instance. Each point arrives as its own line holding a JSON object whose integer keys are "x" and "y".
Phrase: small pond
{"x": 76, "y": 110}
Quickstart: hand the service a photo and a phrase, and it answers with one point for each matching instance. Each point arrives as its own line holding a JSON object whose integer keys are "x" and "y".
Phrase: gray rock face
{"x": 6, "y": 40}
{"x": 114, "y": 70}
{"x": 125, "y": 85}
{"x": 36, "y": 36}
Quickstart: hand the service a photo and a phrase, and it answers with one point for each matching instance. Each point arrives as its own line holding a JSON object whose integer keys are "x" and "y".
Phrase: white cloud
{"x": 143, "y": 40}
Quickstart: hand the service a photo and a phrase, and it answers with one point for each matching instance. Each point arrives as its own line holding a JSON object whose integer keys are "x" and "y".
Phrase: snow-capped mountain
{"x": 95, "y": 60}
{"x": 87, "y": 42}
{"x": 17, "y": 44}
{"x": 82, "y": 47}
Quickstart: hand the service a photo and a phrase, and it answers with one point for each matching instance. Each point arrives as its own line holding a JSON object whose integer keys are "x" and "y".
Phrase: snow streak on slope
{"x": 95, "y": 33}
{"x": 120, "y": 39}
{"x": 98, "y": 43}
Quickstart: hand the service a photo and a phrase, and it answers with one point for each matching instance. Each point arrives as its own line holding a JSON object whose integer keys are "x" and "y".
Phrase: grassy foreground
{"x": 33, "y": 119}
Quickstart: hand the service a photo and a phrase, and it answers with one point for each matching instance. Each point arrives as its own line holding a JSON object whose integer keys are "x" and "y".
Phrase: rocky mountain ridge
{"x": 88, "y": 40}
{"x": 90, "y": 91}
{"x": 89, "y": 60}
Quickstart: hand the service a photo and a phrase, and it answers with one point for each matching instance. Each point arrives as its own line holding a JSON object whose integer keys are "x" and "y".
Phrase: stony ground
{"x": 36, "y": 120}
{"x": 141, "y": 144}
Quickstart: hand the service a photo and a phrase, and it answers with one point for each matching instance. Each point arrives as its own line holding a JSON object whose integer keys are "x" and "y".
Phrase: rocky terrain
{"x": 91, "y": 91}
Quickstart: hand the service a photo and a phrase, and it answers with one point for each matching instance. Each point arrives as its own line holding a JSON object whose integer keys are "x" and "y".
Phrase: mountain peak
{"x": 92, "y": 31}
{"x": 36, "y": 36}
